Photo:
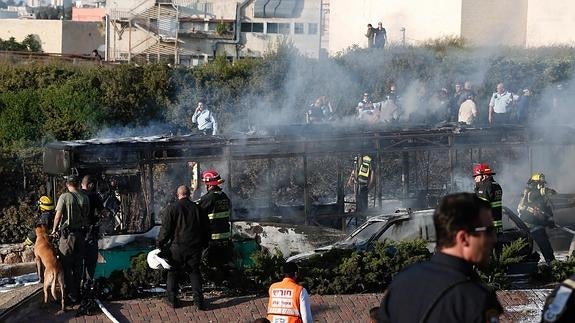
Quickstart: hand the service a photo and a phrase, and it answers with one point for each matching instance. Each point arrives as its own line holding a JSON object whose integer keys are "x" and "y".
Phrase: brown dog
{"x": 45, "y": 255}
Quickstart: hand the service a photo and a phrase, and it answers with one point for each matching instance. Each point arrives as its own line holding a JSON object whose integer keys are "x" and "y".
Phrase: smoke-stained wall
{"x": 422, "y": 20}
{"x": 494, "y": 22}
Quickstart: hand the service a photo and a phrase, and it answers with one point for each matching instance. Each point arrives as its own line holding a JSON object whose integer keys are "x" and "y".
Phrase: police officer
{"x": 362, "y": 177}
{"x": 560, "y": 304}
{"x": 217, "y": 206}
{"x": 535, "y": 209}
{"x": 70, "y": 224}
{"x": 92, "y": 234}
{"x": 447, "y": 287}
{"x": 489, "y": 190}
{"x": 183, "y": 236}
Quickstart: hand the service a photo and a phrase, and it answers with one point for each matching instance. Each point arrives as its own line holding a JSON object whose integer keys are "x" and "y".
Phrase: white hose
{"x": 105, "y": 311}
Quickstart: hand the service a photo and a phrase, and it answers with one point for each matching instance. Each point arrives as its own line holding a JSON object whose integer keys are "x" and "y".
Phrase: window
{"x": 298, "y": 28}
{"x": 284, "y": 29}
{"x": 258, "y": 27}
{"x": 272, "y": 28}
{"x": 248, "y": 27}
{"x": 312, "y": 29}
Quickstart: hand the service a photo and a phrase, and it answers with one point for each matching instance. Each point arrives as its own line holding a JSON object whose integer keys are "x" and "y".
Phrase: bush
{"x": 495, "y": 274}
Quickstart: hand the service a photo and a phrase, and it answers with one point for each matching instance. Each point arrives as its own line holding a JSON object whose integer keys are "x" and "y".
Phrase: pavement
{"x": 520, "y": 306}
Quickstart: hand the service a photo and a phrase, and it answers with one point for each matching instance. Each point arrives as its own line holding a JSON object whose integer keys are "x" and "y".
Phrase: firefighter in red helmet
{"x": 216, "y": 204}
{"x": 489, "y": 190}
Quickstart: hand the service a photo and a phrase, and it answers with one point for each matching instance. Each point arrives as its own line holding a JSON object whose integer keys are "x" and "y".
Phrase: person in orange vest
{"x": 289, "y": 302}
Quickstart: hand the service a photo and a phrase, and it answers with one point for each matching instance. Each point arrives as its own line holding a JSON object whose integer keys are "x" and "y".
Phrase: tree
{"x": 32, "y": 44}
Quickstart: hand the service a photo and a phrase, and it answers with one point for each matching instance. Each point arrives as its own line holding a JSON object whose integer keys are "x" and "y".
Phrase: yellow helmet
{"x": 45, "y": 203}
{"x": 366, "y": 159}
{"x": 538, "y": 177}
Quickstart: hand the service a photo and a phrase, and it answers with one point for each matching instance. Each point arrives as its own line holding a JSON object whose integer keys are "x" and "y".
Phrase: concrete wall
{"x": 494, "y": 22}
{"x": 49, "y": 32}
{"x": 550, "y": 22}
{"x": 81, "y": 37}
{"x": 56, "y": 36}
{"x": 422, "y": 20}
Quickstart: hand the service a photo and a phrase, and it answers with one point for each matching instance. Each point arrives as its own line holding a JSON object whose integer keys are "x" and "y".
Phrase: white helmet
{"x": 156, "y": 262}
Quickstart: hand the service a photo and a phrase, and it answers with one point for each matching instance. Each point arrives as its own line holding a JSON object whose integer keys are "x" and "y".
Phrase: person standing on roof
{"x": 207, "y": 124}
{"x": 217, "y": 206}
{"x": 489, "y": 190}
{"x": 536, "y": 210}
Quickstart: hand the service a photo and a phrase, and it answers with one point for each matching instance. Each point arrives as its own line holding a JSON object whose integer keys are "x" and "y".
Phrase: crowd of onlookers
{"x": 456, "y": 105}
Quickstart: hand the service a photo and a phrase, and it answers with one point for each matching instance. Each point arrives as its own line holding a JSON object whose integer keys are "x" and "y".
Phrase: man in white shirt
{"x": 500, "y": 105}
{"x": 207, "y": 124}
{"x": 467, "y": 110}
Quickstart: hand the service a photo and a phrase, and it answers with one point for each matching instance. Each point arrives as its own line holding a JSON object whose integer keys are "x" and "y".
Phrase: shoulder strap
{"x": 438, "y": 297}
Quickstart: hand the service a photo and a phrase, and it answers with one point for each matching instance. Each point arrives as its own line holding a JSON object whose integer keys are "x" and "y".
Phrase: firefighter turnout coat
{"x": 288, "y": 303}
{"x": 216, "y": 204}
{"x": 490, "y": 191}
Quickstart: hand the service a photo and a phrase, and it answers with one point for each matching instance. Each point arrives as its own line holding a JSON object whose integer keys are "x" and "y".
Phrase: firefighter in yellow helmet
{"x": 46, "y": 218}
{"x": 362, "y": 176}
{"x": 536, "y": 210}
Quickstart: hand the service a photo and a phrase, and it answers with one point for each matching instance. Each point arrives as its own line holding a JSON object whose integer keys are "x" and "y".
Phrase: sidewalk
{"x": 521, "y": 306}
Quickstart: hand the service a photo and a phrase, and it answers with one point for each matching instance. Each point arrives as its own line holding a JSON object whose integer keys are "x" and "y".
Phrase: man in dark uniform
{"x": 535, "y": 209}
{"x": 560, "y": 304}
{"x": 446, "y": 288}
{"x": 489, "y": 190}
{"x": 185, "y": 232}
{"x": 217, "y": 206}
{"x": 92, "y": 234}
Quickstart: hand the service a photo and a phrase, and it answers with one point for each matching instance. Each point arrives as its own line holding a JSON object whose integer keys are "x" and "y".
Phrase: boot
{"x": 199, "y": 301}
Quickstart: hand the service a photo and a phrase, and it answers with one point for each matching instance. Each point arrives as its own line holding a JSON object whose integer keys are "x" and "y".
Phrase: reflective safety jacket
{"x": 216, "y": 204}
{"x": 490, "y": 191}
{"x": 364, "y": 171}
{"x": 284, "y": 302}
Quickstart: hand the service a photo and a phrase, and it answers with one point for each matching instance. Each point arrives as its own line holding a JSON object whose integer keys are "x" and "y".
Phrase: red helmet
{"x": 482, "y": 169}
{"x": 211, "y": 177}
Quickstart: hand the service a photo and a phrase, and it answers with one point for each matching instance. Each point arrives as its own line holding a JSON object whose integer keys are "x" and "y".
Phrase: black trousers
{"x": 542, "y": 239}
{"x": 361, "y": 198}
{"x": 184, "y": 262}
{"x": 90, "y": 260}
{"x": 71, "y": 249}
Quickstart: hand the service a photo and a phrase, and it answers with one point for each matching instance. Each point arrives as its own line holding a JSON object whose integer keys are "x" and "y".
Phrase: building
{"x": 482, "y": 23}
{"x": 88, "y": 14}
{"x": 191, "y": 32}
{"x": 56, "y": 36}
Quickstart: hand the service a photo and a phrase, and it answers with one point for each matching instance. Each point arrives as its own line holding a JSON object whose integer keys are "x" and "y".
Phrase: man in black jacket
{"x": 446, "y": 288}
{"x": 184, "y": 234}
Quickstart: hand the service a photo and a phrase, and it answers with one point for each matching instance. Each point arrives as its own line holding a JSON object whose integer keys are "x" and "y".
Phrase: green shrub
{"x": 495, "y": 274}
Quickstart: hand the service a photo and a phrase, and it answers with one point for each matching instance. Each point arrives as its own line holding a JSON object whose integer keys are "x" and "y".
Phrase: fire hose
{"x": 106, "y": 312}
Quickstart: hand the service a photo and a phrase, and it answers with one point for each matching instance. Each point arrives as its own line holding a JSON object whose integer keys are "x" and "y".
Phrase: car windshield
{"x": 366, "y": 233}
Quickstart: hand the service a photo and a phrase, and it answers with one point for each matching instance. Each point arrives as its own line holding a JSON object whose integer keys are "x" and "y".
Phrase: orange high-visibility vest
{"x": 283, "y": 305}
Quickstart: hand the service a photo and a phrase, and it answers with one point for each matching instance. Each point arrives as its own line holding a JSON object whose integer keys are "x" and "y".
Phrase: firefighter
{"x": 363, "y": 182}
{"x": 489, "y": 190}
{"x": 536, "y": 210}
{"x": 46, "y": 208}
{"x": 216, "y": 204}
